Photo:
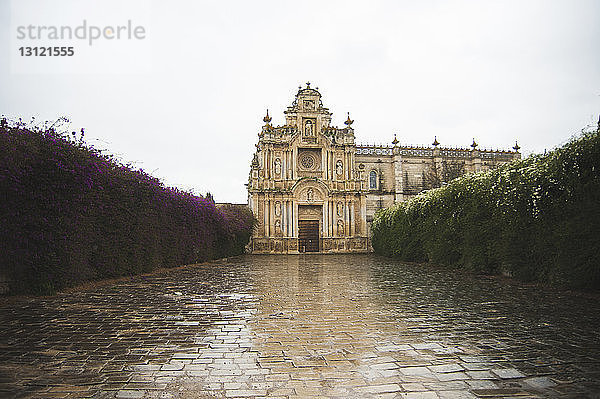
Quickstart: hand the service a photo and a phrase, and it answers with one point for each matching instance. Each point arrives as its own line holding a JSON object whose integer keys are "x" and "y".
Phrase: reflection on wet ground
{"x": 347, "y": 326}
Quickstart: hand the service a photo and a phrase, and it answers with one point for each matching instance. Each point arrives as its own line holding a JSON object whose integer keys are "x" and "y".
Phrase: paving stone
{"x": 377, "y": 389}
{"x": 302, "y": 326}
{"x": 452, "y": 376}
{"x": 446, "y": 368}
{"x": 393, "y": 348}
{"x": 414, "y": 387}
{"x": 130, "y": 394}
{"x": 508, "y": 373}
{"x": 172, "y": 367}
{"x": 540, "y": 382}
{"x": 420, "y": 395}
{"x": 481, "y": 384}
{"x": 417, "y": 371}
{"x": 481, "y": 375}
{"x": 500, "y": 392}
{"x": 474, "y": 366}
{"x": 456, "y": 395}
{"x": 446, "y": 386}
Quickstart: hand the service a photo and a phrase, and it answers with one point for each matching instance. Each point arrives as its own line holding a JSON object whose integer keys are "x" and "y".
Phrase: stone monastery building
{"x": 313, "y": 189}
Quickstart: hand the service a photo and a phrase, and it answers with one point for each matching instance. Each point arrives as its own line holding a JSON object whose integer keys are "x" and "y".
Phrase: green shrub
{"x": 536, "y": 219}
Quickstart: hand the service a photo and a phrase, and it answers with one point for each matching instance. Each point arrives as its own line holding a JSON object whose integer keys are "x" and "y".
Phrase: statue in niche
{"x": 277, "y": 208}
{"x": 277, "y": 166}
{"x": 340, "y": 225}
{"x": 309, "y": 194}
{"x": 277, "y": 226}
{"x": 340, "y": 209}
{"x": 339, "y": 167}
{"x": 308, "y": 129}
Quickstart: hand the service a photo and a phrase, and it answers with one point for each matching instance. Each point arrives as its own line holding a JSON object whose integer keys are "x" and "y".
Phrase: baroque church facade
{"x": 313, "y": 189}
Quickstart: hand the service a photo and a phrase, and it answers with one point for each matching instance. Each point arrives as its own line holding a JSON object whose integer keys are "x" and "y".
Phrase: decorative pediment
{"x": 310, "y": 190}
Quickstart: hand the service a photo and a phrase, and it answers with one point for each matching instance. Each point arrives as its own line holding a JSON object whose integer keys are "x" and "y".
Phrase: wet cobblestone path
{"x": 348, "y": 326}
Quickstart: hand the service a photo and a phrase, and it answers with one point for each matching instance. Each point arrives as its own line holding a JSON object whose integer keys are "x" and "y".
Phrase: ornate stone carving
{"x": 340, "y": 225}
{"x": 307, "y": 161}
{"x": 309, "y": 210}
{"x": 339, "y": 167}
{"x": 277, "y": 166}
{"x": 277, "y": 208}
{"x": 308, "y": 129}
{"x": 277, "y": 227}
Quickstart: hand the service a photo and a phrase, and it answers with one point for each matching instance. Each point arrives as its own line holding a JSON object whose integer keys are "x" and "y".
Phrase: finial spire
{"x": 349, "y": 121}
{"x": 516, "y": 147}
{"x": 308, "y": 85}
{"x": 436, "y": 143}
{"x": 395, "y": 141}
{"x": 267, "y": 118}
{"x": 474, "y": 145}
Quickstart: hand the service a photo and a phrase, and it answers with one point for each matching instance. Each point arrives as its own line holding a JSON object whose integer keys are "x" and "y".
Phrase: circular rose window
{"x": 307, "y": 161}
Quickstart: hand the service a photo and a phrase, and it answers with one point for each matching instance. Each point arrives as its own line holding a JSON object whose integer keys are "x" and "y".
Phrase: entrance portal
{"x": 308, "y": 235}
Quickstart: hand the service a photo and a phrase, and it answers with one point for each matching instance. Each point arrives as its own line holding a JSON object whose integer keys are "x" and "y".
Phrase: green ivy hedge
{"x": 69, "y": 213}
{"x": 536, "y": 219}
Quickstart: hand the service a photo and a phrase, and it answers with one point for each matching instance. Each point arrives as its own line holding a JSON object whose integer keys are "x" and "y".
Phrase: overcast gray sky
{"x": 189, "y": 112}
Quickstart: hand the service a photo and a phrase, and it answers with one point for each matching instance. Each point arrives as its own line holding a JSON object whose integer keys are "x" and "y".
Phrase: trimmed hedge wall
{"x": 536, "y": 219}
{"x": 69, "y": 213}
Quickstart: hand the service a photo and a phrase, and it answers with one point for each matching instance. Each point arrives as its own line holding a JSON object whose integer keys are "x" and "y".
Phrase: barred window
{"x": 373, "y": 180}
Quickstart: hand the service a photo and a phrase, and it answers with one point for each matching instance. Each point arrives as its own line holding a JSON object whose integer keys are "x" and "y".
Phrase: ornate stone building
{"x": 313, "y": 189}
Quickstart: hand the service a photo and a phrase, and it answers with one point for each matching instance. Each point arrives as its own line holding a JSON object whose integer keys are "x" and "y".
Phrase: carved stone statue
{"x": 339, "y": 167}
{"x": 277, "y": 166}
{"x": 278, "y": 226}
{"x": 340, "y": 225}
{"x": 310, "y": 194}
{"x": 277, "y": 208}
{"x": 308, "y": 129}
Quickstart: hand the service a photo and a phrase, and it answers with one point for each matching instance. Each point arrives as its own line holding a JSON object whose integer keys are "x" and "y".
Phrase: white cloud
{"x": 496, "y": 71}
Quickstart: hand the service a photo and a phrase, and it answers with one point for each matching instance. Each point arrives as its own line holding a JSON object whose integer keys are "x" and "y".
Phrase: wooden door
{"x": 308, "y": 235}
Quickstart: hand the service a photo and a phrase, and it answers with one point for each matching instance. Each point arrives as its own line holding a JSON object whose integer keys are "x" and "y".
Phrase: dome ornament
{"x": 516, "y": 147}
{"x": 436, "y": 143}
{"x": 474, "y": 144}
{"x": 395, "y": 141}
{"x": 349, "y": 121}
{"x": 267, "y": 118}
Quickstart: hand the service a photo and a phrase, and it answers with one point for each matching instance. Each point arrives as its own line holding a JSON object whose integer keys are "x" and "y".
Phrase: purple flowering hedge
{"x": 69, "y": 213}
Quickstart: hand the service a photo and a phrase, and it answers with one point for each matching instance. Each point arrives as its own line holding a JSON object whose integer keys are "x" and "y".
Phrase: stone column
{"x": 347, "y": 217}
{"x": 271, "y": 218}
{"x": 352, "y": 221}
{"x": 266, "y": 212}
{"x": 283, "y": 216}
{"x": 295, "y": 221}
{"x": 325, "y": 218}
{"x": 294, "y": 158}
{"x": 363, "y": 216}
{"x": 332, "y": 220}
{"x": 283, "y": 167}
{"x": 398, "y": 176}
